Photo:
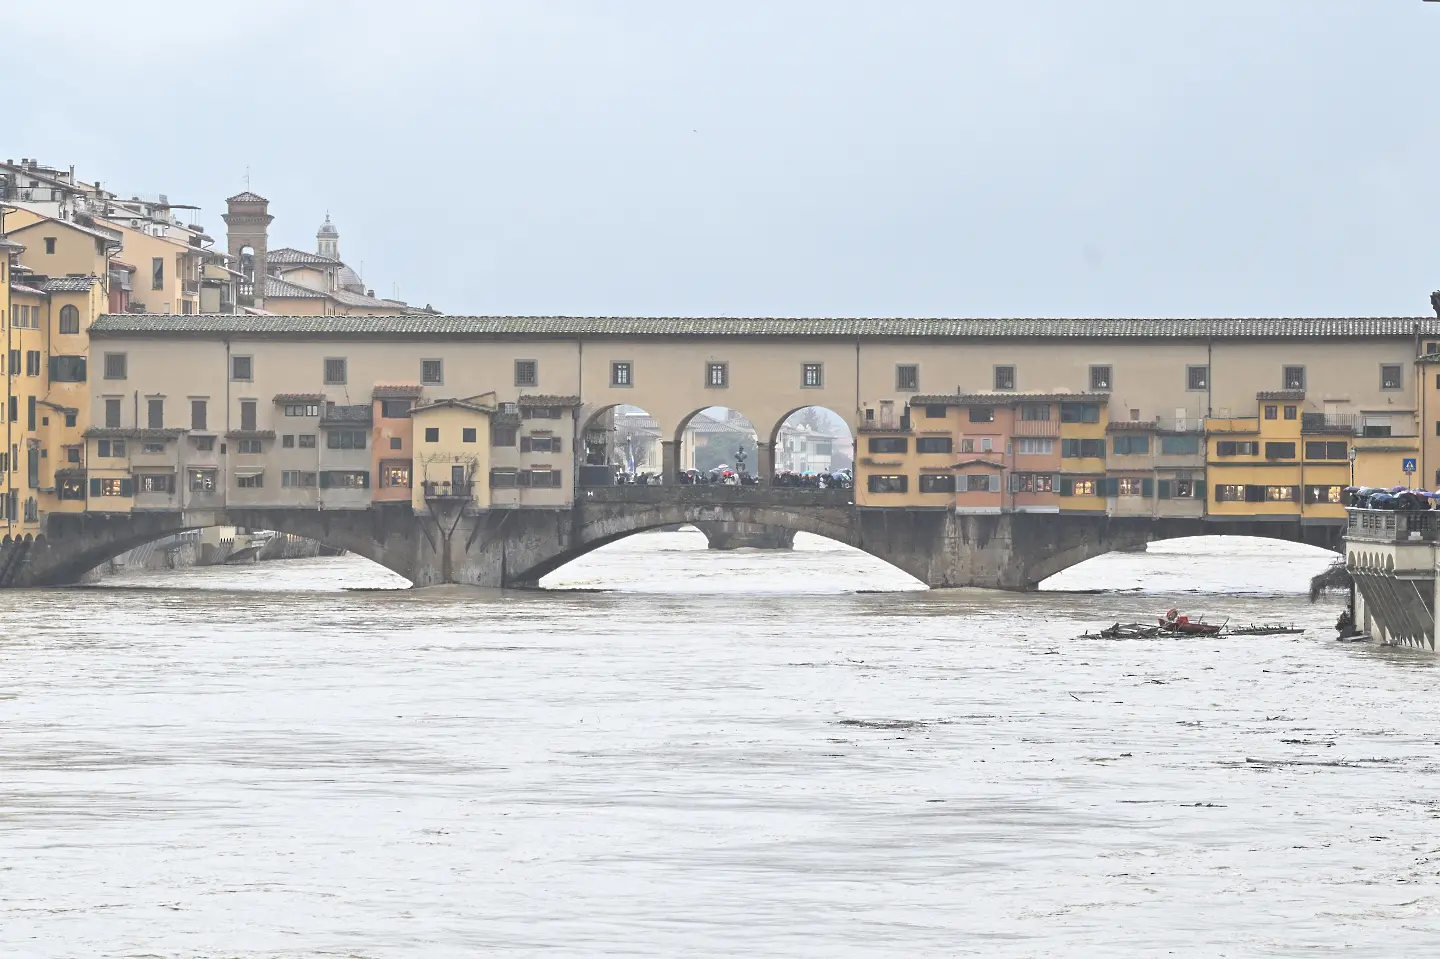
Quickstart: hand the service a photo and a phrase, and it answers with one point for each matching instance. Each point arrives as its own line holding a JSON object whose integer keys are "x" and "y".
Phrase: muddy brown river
{"x": 743, "y": 754}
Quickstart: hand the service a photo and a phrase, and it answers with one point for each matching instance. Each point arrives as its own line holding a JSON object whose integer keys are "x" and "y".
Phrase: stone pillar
{"x": 765, "y": 463}
{"x": 669, "y": 461}
{"x": 732, "y": 535}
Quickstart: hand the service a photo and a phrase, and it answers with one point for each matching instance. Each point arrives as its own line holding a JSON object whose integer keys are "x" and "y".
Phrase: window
{"x": 1279, "y": 451}
{"x": 247, "y": 414}
{"x": 1004, "y": 377}
{"x": 202, "y": 481}
{"x": 1179, "y": 445}
{"x": 112, "y": 487}
{"x": 1293, "y": 378}
{"x": 1035, "y": 412}
{"x": 717, "y": 375}
{"x": 621, "y": 374}
{"x": 345, "y": 479}
{"x": 986, "y": 444}
{"x": 296, "y": 479}
{"x": 982, "y": 414}
{"x": 108, "y": 449}
{"x": 114, "y": 364}
{"x": 157, "y": 273}
{"x": 540, "y": 412}
{"x": 305, "y": 441}
{"x": 396, "y": 443}
{"x": 112, "y": 413}
{"x": 1082, "y": 449}
{"x": 502, "y": 479}
{"x": 250, "y": 480}
{"x": 313, "y": 409}
{"x": 1317, "y": 450}
{"x": 32, "y": 362}
{"x": 936, "y": 483}
{"x": 350, "y": 439}
{"x": 887, "y": 483}
{"x": 467, "y": 434}
{"x": 1100, "y": 377}
{"x": 155, "y": 413}
{"x": 907, "y": 378}
{"x": 335, "y": 370}
{"x": 1079, "y": 487}
{"x": 1032, "y": 482}
{"x": 935, "y": 411}
{"x": 67, "y": 369}
{"x": 527, "y": 373}
{"x": 197, "y": 414}
{"x": 50, "y": 245}
{"x": 72, "y": 488}
{"x": 1391, "y": 376}
{"x": 1272, "y": 412}
{"x": 889, "y": 444}
{"x": 432, "y": 373}
{"x": 1197, "y": 377}
{"x": 1128, "y": 486}
{"x": 540, "y": 444}
{"x": 1034, "y": 446}
{"x": 152, "y": 449}
{"x": 502, "y": 435}
{"x": 1282, "y": 494}
{"x": 69, "y": 319}
{"x": 934, "y": 444}
{"x": 812, "y": 374}
{"x": 394, "y": 474}
{"x": 389, "y": 409}
{"x": 30, "y": 412}
{"x": 155, "y": 483}
{"x": 1229, "y": 493}
{"x": 1079, "y": 412}
{"x": 1237, "y": 448}
{"x": 1375, "y": 426}
{"x": 1323, "y": 494}
{"x": 72, "y": 455}
{"x": 1290, "y": 412}
{"x": 242, "y": 368}
{"x": 249, "y": 446}
{"x": 432, "y": 434}
{"x": 977, "y": 483}
{"x": 287, "y": 442}
{"x": 541, "y": 479}
{"x": 1131, "y": 444}
{"x": 205, "y": 444}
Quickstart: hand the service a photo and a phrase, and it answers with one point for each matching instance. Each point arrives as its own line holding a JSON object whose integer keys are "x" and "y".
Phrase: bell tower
{"x": 247, "y": 221}
{"x": 327, "y": 240}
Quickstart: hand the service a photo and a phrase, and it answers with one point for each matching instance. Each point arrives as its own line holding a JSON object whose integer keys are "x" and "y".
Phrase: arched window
{"x": 69, "y": 319}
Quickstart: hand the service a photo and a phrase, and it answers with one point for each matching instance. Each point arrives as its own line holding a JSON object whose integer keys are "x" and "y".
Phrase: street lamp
{"x": 1352, "y": 466}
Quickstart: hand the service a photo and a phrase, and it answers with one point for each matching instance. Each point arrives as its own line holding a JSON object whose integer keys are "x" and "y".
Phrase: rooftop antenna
{"x": 247, "y": 176}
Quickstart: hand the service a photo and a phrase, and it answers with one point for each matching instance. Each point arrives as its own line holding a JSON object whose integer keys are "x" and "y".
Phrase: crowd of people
{"x": 726, "y": 476}
{"x": 1396, "y": 498}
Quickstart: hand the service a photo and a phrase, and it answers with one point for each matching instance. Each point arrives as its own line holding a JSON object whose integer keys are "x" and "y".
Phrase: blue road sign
{"x": 1408, "y": 465}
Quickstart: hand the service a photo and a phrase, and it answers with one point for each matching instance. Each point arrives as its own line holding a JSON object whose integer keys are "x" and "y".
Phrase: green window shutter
{"x": 1200, "y": 490}
{"x": 127, "y": 487}
{"x": 324, "y": 480}
{"x": 1067, "y": 486}
{"x": 1147, "y": 487}
{"x": 94, "y": 487}
{"x": 1164, "y": 489}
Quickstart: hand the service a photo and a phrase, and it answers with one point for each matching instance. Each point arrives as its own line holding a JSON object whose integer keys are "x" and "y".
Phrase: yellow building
{"x": 451, "y": 453}
{"x": 9, "y": 250}
{"x": 1083, "y": 485}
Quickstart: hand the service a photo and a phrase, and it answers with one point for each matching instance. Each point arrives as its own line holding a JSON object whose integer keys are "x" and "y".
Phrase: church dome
{"x": 327, "y": 228}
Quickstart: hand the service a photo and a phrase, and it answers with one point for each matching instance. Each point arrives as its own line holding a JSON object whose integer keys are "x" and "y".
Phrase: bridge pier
{"x": 725, "y": 536}
{"x": 765, "y": 463}
{"x": 669, "y": 461}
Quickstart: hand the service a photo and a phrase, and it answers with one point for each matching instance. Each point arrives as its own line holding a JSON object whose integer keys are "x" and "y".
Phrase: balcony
{"x": 1036, "y": 428}
{"x": 1391, "y": 526}
{"x": 1180, "y": 424}
{"x": 446, "y": 490}
{"x": 1338, "y": 423}
{"x": 191, "y": 287}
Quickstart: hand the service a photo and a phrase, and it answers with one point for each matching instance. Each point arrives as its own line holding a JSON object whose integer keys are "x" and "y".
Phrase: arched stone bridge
{"x": 518, "y": 546}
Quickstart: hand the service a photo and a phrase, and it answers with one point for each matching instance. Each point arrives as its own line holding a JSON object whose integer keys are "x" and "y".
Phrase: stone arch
{"x": 604, "y": 426}
{"x": 608, "y": 526}
{"x": 78, "y": 543}
{"x": 745, "y": 435}
{"x": 777, "y": 455}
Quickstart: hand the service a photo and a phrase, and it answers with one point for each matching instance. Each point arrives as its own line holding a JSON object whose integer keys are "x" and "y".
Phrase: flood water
{"x": 744, "y": 754}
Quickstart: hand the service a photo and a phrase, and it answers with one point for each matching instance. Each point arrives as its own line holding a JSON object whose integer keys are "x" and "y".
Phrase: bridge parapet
{"x": 1391, "y": 526}
{"x": 758, "y": 496}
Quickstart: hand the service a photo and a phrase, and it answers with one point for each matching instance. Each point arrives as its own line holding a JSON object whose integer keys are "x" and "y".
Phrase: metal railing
{"x": 439, "y": 489}
{"x": 1328, "y": 423}
{"x": 1391, "y": 526}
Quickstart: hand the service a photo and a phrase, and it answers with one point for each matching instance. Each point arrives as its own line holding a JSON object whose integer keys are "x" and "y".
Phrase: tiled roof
{"x": 978, "y": 462}
{"x": 349, "y": 298}
{"x": 849, "y": 328}
{"x": 246, "y": 197}
{"x": 22, "y": 288}
{"x": 452, "y": 404}
{"x": 1280, "y": 395}
{"x": 1125, "y": 426}
{"x": 70, "y": 284}
{"x": 250, "y": 435}
{"x": 355, "y": 413}
{"x": 546, "y": 399}
{"x": 396, "y": 391}
{"x": 276, "y": 288}
{"x": 10, "y": 245}
{"x": 1001, "y": 398}
{"x": 299, "y": 398}
{"x": 289, "y": 256}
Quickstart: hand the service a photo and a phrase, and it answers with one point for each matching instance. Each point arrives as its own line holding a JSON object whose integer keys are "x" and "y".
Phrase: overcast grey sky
{"x": 783, "y": 157}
